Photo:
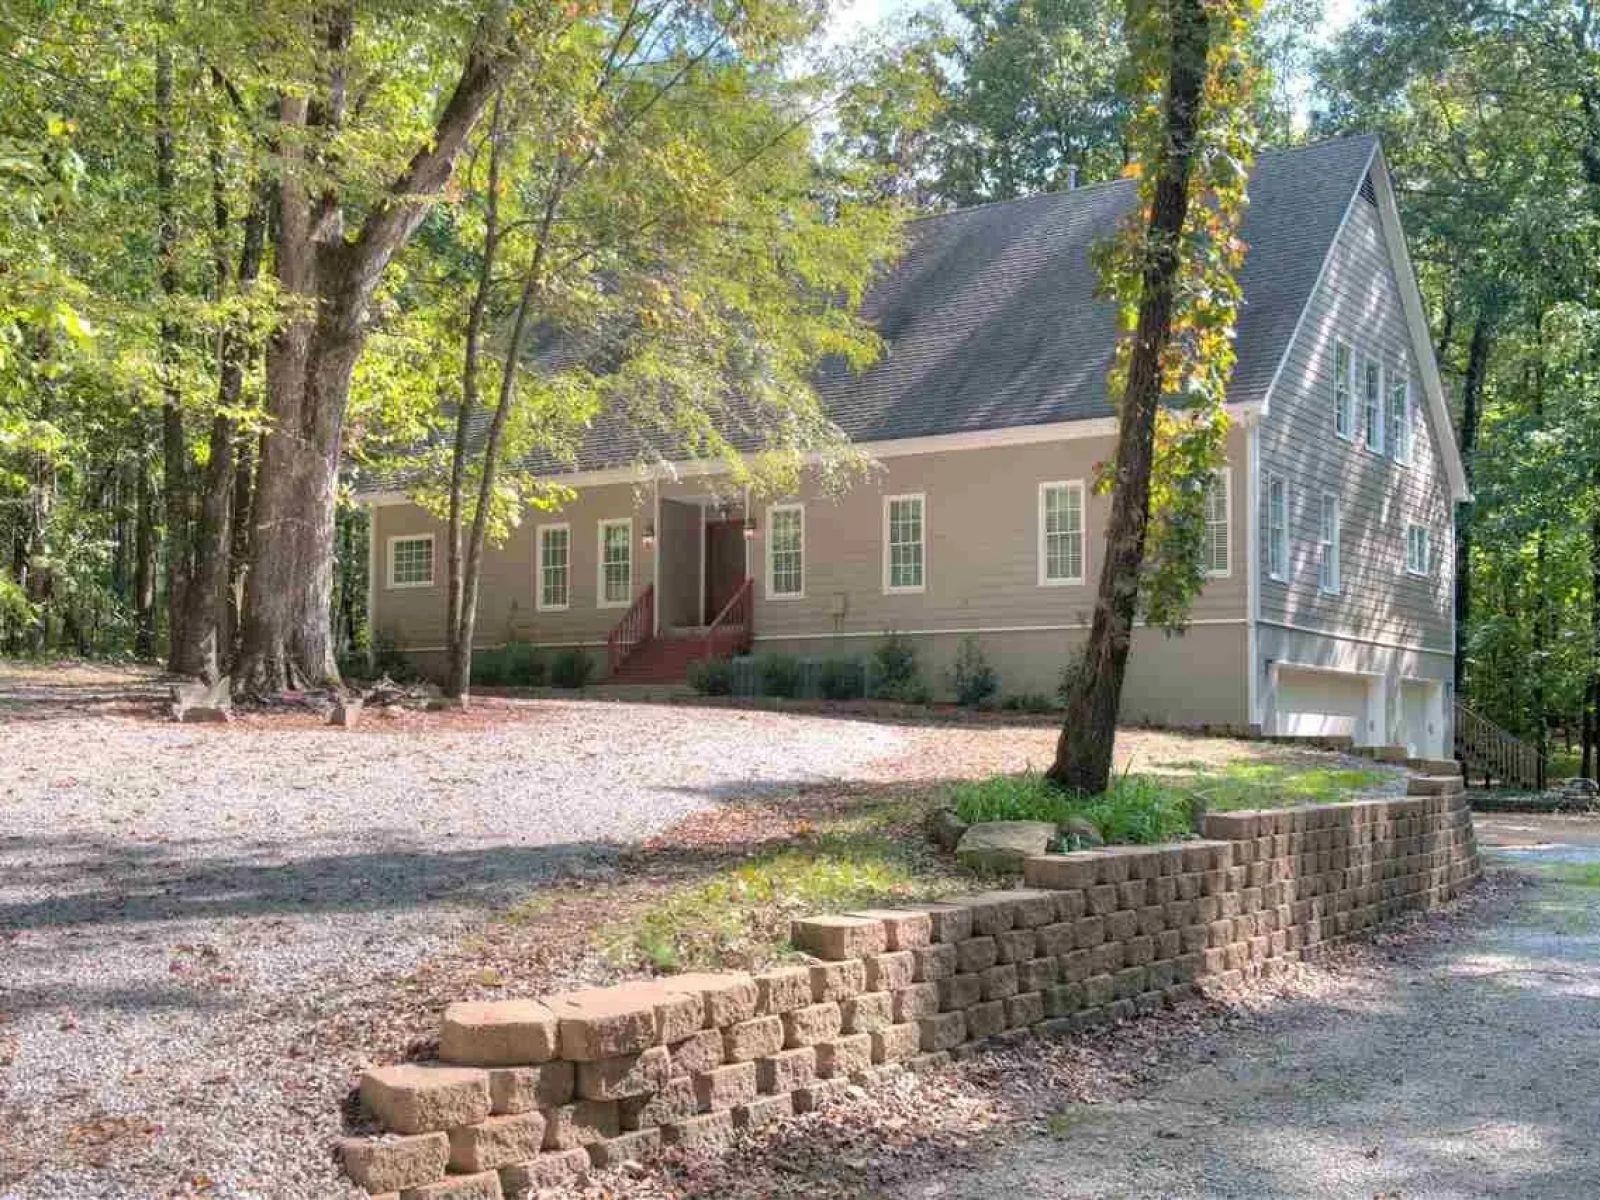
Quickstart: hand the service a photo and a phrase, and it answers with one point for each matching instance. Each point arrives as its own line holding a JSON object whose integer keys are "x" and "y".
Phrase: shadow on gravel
{"x": 132, "y": 886}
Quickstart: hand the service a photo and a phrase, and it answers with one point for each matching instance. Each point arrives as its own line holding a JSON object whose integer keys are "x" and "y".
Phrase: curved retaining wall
{"x": 530, "y": 1093}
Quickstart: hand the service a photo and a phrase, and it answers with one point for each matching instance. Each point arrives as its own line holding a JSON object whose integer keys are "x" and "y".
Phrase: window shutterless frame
{"x": 1219, "y": 526}
{"x": 553, "y": 577}
{"x": 1328, "y": 568}
{"x": 1343, "y": 391}
{"x": 1401, "y": 431}
{"x": 905, "y": 543}
{"x": 1060, "y": 533}
{"x": 1419, "y": 550}
{"x": 410, "y": 560}
{"x": 786, "y": 552}
{"x": 1372, "y": 406}
{"x": 1277, "y": 529}
{"x": 614, "y": 570}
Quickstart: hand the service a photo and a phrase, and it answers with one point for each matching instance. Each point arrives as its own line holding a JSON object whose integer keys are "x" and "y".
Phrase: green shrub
{"x": 516, "y": 664}
{"x": 778, "y": 675}
{"x": 1135, "y": 808}
{"x": 974, "y": 679}
{"x": 1069, "y": 679}
{"x": 388, "y": 659}
{"x": 712, "y": 676}
{"x": 571, "y": 668}
{"x": 908, "y": 691}
{"x": 1029, "y": 702}
{"x": 894, "y": 667}
{"x": 842, "y": 679}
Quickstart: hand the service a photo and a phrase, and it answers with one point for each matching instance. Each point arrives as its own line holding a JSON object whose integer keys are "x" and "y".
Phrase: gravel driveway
{"x": 1467, "y": 1069}
{"x": 183, "y": 907}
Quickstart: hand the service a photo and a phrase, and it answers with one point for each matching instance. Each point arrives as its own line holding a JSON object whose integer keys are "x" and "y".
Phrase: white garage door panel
{"x": 1322, "y": 703}
{"x": 1421, "y": 717}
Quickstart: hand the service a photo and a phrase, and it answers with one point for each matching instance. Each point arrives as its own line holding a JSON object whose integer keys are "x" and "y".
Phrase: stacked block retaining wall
{"x": 531, "y": 1093}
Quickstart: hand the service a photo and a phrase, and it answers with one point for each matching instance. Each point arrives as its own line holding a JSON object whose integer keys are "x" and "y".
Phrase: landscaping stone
{"x": 1080, "y": 833}
{"x": 753, "y": 1039}
{"x": 346, "y": 712}
{"x": 904, "y": 928}
{"x": 935, "y": 962}
{"x": 810, "y": 1025}
{"x": 918, "y": 1000}
{"x": 943, "y": 1030}
{"x": 496, "y": 1142}
{"x": 728, "y": 999}
{"x": 844, "y": 1055}
{"x": 675, "y": 1101}
{"x": 419, "y": 1098}
{"x": 483, "y": 1186}
{"x": 982, "y": 1021}
{"x": 699, "y": 1052}
{"x": 702, "y": 1132}
{"x": 498, "y": 1033}
{"x": 960, "y": 991}
{"x": 839, "y": 937}
{"x": 1001, "y": 847}
{"x": 946, "y": 828}
{"x": 763, "y": 1111}
{"x": 1024, "y": 1009}
{"x": 552, "y": 1169}
{"x": 605, "y": 1022}
{"x": 581, "y": 1124}
{"x": 891, "y": 971}
{"x": 976, "y": 954}
{"x": 522, "y": 1089}
{"x": 867, "y": 1013}
{"x": 625, "y": 1148}
{"x": 783, "y": 989}
{"x": 896, "y": 1043}
{"x": 625, "y": 1075}
{"x": 679, "y": 1011}
{"x": 819, "y": 1094}
{"x": 196, "y": 702}
{"x": 786, "y": 1070}
{"x": 949, "y": 922}
{"x": 388, "y": 1164}
{"x": 726, "y": 1086}
{"x": 835, "y": 981}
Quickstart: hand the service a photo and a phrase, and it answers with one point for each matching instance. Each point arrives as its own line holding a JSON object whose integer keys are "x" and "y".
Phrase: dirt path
{"x": 1462, "y": 1066}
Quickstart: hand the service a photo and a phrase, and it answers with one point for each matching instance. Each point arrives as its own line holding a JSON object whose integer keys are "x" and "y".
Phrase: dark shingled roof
{"x": 991, "y": 318}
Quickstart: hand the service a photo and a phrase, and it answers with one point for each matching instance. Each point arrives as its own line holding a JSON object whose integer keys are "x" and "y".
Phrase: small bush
{"x": 974, "y": 679}
{"x": 778, "y": 675}
{"x": 1029, "y": 702}
{"x": 516, "y": 664}
{"x": 909, "y": 691}
{"x": 388, "y": 659}
{"x": 571, "y": 668}
{"x": 842, "y": 679}
{"x": 894, "y": 666}
{"x": 712, "y": 676}
{"x": 1069, "y": 680}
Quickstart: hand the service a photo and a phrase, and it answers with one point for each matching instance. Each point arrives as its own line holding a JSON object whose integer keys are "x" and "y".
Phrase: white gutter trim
{"x": 966, "y": 630}
{"x": 981, "y": 439}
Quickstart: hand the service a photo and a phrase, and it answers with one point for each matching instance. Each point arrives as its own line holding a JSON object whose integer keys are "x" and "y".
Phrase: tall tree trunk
{"x": 1591, "y": 694}
{"x": 205, "y": 645}
{"x": 174, "y": 444}
{"x": 1088, "y": 734}
{"x": 1467, "y": 437}
{"x": 144, "y": 550}
{"x": 287, "y": 637}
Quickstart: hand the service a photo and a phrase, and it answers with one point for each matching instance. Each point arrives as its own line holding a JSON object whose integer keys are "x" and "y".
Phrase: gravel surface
{"x": 200, "y": 926}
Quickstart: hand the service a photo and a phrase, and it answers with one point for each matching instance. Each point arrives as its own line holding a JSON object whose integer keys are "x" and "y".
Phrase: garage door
{"x": 1422, "y": 717}
{"x": 1322, "y": 703}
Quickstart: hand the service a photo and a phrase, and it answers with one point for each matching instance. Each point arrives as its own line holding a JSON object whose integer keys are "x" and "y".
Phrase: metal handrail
{"x": 1495, "y": 753}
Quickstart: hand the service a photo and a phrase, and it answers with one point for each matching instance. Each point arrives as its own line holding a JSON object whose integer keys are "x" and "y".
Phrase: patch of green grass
{"x": 1578, "y": 874}
{"x": 1135, "y": 808}
{"x": 740, "y": 915}
{"x": 1274, "y": 785}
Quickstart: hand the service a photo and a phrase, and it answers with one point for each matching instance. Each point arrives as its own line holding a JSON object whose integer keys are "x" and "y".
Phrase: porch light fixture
{"x": 749, "y": 528}
{"x": 649, "y": 536}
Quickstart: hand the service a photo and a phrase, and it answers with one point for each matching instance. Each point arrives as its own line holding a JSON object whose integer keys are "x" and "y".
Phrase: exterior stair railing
{"x": 637, "y": 626}
{"x": 1485, "y": 749}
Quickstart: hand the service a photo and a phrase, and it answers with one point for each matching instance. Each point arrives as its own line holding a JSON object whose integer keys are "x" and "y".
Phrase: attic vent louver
{"x": 1368, "y": 192}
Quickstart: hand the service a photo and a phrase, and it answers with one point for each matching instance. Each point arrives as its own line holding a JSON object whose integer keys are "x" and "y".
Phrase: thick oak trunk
{"x": 1084, "y": 751}
{"x": 1471, "y": 411}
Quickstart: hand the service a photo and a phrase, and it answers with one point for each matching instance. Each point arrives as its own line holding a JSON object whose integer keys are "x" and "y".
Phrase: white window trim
{"x": 1408, "y": 431}
{"x": 1042, "y": 547}
{"x": 1349, "y": 434}
{"x": 538, "y": 580}
{"x": 1427, "y": 550}
{"x": 1283, "y": 575}
{"x": 433, "y": 560}
{"x": 772, "y": 545}
{"x": 1382, "y": 426}
{"x": 1328, "y": 547}
{"x": 600, "y": 562}
{"x": 1226, "y": 475}
{"x": 922, "y": 502}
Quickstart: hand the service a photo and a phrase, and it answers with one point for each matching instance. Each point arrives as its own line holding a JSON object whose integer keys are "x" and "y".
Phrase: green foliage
{"x": 389, "y": 660}
{"x": 516, "y": 664}
{"x": 571, "y": 668}
{"x": 1030, "y": 702}
{"x": 894, "y": 668}
{"x": 778, "y": 675}
{"x": 975, "y": 681}
{"x": 1135, "y": 808}
{"x": 711, "y": 676}
{"x": 842, "y": 679}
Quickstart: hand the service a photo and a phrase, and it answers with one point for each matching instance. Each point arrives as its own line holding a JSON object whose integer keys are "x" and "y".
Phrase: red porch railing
{"x": 638, "y": 625}
{"x": 731, "y": 632}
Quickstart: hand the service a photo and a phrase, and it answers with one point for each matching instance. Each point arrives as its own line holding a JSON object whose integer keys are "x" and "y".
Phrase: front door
{"x": 724, "y": 564}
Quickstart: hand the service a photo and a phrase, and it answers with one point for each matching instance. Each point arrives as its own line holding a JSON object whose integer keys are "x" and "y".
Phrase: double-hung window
{"x": 1217, "y": 547}
{"x": 786, "y": 551}
{"x": 616, "y": 563}
{"x": 1400, "y": 416}
{"x": 1372, "y": 403}
{"x": 1328, "y": 546}
{"x": 555, "y": 568}
{"x": 1277, "y": 528}
{"x": 1419, "y": 551}
{"x": 1343, "y": 403}
{"x": 411, "y": 561}
{"x": 1060, "y": 533}
{"x": 904, "y": 544}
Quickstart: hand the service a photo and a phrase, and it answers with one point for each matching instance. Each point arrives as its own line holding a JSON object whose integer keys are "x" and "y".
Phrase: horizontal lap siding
{"x": 981, "y": 514}
{"x": 1359, "y": 302}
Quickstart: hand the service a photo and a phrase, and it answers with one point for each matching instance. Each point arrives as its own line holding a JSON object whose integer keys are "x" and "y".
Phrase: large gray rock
{"x": 999, "y": 847}
{"x": 946, "y": 828}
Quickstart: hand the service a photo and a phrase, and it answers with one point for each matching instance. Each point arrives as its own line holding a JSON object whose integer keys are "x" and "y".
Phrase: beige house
{"x": 1331, "y": 557}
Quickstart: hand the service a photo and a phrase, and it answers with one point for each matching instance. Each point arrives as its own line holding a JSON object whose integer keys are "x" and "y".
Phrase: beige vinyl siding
{"x": 1358, "y": 303}
{"x": 981, "y": 537}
